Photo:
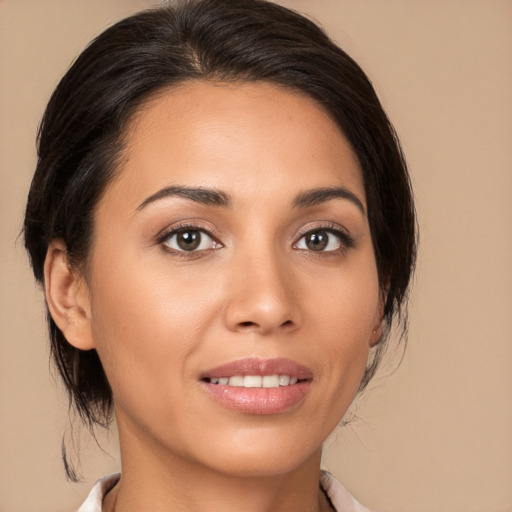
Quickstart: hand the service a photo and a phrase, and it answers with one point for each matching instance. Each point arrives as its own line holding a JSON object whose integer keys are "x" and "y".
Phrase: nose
{"x": 261, "y": 296}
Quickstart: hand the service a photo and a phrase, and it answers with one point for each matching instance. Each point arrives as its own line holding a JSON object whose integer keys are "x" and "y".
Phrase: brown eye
{"x": 188, "y": 240}
{"x": 317, "y": 241}
{"x": 324, "y": 240}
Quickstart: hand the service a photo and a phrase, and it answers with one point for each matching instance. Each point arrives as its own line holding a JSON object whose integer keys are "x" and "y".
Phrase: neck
{"x": 157, "y": 480}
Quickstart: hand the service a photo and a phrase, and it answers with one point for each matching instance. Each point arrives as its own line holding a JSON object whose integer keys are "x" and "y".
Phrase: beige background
{"x": 437, "y": 435}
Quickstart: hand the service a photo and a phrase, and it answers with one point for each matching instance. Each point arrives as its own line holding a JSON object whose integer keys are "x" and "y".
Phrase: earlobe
{"x": 376, "y": 335}
{"x": 67, "y": 297}
{"x": 377, "y": 329}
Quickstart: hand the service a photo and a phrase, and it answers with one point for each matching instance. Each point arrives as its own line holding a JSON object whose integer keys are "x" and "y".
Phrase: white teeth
{"x": 256, "y": 381}
{"x": 252, "y": 381}
{"x": 271, "y": 381}
{"x": 284, "y": 380}
{"x": 237, "y": 380}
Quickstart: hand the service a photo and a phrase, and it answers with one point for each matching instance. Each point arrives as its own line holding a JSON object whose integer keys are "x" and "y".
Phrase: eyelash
{"x": 183, "y": 228}
{"x": 346, "y": 240}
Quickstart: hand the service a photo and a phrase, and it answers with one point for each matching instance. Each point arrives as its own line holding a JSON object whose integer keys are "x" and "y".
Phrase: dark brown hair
{"x": 81, "y": 138}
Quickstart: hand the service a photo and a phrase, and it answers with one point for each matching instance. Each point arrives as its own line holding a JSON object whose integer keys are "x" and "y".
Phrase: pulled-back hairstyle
{"x": 81, "y": 138}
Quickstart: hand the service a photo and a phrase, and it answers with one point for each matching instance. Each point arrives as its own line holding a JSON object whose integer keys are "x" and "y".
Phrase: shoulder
{"x": 98, "y": 492}
{"x": 340, "y": 498}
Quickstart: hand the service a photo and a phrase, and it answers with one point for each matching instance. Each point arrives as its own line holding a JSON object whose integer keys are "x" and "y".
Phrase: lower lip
{"x": 259, "y": 400}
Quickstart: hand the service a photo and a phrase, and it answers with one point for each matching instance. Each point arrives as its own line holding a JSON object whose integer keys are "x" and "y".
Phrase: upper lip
{"x": 255, "y": 366}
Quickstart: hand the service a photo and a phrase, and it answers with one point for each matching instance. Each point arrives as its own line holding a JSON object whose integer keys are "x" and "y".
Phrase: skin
{"x": 159, "y": 317}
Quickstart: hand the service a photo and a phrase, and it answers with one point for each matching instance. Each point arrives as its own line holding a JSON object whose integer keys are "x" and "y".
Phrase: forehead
{"x": 252, "y": 137}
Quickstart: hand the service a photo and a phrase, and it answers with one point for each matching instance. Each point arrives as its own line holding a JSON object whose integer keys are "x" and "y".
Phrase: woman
{"x": 222, "y": 220}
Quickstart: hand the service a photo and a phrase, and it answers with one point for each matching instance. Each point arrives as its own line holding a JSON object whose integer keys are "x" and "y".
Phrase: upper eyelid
{"x": 327, "y": 226}
{"x": 346, "y": 239}
{"x": 171, "y": 232}
{"x": 214, "y": 233}
{"x": 168, "y": 231}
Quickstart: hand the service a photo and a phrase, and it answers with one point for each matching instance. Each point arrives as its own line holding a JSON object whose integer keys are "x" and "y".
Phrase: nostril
{"x": 248, "y": 324}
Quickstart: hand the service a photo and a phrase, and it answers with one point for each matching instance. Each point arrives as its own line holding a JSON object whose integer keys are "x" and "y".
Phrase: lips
{"x": 256, "y": 386}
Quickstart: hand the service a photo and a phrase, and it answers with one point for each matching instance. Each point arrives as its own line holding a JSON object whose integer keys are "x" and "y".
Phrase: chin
{"x": 262, "y": 454}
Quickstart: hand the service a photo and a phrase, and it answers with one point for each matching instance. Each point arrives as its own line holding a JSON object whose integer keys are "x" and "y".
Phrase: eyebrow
{"x": 322, "y": 195}
{"x": 206, "y": 196}
{"x": 213, "y": 197}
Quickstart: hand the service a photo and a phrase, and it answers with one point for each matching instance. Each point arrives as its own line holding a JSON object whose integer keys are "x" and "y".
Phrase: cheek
{"x": 347, "y": 302}
{"x": 346, "y": 314}
{"x": 146, "y": 323}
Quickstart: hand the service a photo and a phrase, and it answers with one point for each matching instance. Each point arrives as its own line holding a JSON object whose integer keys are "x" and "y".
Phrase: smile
{"x": 258, "y": 386}
{"x": 255, "y": 381}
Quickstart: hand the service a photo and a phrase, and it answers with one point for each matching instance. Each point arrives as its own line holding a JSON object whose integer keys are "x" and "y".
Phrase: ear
{"x": 377, "y": 328}
{"x": 67, "y": 296}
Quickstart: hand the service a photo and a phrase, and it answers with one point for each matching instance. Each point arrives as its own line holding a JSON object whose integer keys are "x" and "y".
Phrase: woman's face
{"x": 233, "y": 244}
